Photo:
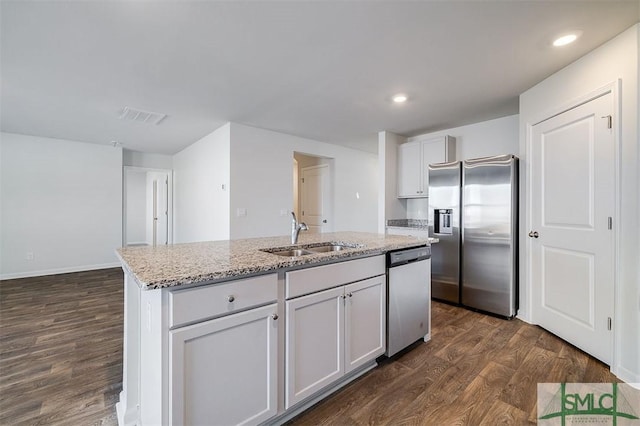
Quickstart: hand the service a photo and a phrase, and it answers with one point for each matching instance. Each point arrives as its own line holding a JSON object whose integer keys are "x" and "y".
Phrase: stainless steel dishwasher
{"x": 408, "y": 297}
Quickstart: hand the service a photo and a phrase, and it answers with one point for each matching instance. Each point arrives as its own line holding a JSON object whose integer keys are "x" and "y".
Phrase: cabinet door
{"x": 409, "y": 170}
{"x": 365, "y": 321}
{"x": 433, "y": 151}
{"x": 223, "y": 371}
{"x": 314, "y": 342}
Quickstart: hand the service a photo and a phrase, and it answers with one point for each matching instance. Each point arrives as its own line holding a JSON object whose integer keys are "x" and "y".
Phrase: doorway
{"x": 313, "y": 191}
{"x": 572, "y": 206}
{"x": 147, "y": 215}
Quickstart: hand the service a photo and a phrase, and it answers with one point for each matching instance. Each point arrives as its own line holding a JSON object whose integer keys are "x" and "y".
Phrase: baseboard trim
{"x": 292, "y": 412}
{"x": 627, "y": 376}
{"x": 57, "y": 271}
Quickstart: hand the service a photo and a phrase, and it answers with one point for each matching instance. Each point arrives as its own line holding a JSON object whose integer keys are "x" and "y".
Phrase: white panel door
{"x": 161, "y": 204}
{"x": 364, "y": 322}
{"x": 314, "y": 339}
{"x": 316, "y": 198}
{"x": 223, "y": 371}
{"x": 157, "y": 208}
{"x": 572, "y": 199}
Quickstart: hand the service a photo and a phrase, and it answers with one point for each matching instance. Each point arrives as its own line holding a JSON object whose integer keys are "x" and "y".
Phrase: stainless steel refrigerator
{"x": 473, "y": 210}
{"x": 445, "y": 181}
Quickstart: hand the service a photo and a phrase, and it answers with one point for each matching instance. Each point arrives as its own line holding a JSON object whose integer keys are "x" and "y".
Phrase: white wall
{"x": 389, "y": 205}
{"x": 261, "y": 182}
{"x": 201, "y": 189}
{"x": 60, "y": 200}
{"x": 148, "y": 160}
{"x": 617, "y": 59}
{"x": 484, "y": 139}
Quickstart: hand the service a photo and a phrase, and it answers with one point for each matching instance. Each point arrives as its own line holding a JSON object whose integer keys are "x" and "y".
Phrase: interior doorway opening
{"x": 147, "y": 215}
{"x": 313, "y": 183}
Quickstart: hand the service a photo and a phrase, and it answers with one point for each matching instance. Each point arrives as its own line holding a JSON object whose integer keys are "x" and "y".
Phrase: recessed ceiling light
{"x": 566, "y": 39}
{"x": 399, "y": 98}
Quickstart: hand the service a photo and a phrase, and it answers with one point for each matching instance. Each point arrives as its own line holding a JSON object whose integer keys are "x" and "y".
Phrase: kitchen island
{"x": 230, "y": 332}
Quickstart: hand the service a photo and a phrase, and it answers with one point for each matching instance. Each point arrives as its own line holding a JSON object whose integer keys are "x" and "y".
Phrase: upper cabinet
{"x": 413, "y": 164}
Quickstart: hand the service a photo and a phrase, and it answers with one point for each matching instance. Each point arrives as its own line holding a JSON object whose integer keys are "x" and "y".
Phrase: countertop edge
{"x": 284, "y": 264}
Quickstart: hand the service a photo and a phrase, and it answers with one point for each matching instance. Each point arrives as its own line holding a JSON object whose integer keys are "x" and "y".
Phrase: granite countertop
{"x": 408, "y": 223}
{"x": 416, "y": 224}
{"x": 192, "y": 263}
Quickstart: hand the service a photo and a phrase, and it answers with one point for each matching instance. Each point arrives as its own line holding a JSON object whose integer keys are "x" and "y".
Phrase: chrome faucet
{"x": 296, "y": 228}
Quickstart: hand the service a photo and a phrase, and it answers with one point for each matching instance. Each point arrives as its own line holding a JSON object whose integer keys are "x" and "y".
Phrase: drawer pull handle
{"x": 231, "y": 298}
{"x": 274, "y": 316}
{"x": 350, "y": 294}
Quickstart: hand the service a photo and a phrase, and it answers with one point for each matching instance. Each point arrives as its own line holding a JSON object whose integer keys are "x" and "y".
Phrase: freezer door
{"x": 489, "y": 234}
{"x": 444, "y": 224}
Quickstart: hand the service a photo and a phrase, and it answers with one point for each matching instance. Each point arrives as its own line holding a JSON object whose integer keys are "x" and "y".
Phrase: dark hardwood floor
{"x": 61, "y": 363}
{"x": 476, "y": 370}
{"x": 61, "y": 348}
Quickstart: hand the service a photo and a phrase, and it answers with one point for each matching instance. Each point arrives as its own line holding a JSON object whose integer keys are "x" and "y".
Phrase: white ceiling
{"x": 321, "y": 70}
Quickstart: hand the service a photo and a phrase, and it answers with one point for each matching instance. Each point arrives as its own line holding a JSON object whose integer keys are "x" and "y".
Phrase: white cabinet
{"x": 202, "y": 303}
{"x": 314, "y": 341}
{"x": 224, "y": 370}
{"x": 331, "y": 333}
{"x": 413, "y": 164}
{"x": 365, "y": 322}
{"x": 410, "y": 170}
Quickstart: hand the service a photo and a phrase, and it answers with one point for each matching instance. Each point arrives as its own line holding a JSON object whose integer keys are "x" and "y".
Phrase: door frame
{"x": 125, "y": 171}
{"x": 329, "y": 188}
{"x": 614, "y": 88}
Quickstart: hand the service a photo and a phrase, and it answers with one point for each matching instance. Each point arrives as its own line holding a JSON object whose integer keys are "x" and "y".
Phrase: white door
{"x": 314, "y": 354}
{"x": 158, "y": 196}
{"x": 364, "y": 322}
{"x": 316, "y": 198}
{"x": 572, "y": 201}
{"x": 223, "y": 371}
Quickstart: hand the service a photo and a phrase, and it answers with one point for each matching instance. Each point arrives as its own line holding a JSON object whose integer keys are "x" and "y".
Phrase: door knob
{"x": 533, "y": 234}
{"x": 324, "y": 221}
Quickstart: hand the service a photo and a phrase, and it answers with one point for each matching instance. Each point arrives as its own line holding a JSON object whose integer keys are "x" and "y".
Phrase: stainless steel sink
{"x": 289, "y": 252}
{"x": 327, "y": 248}
{"x": 306, "y": 250}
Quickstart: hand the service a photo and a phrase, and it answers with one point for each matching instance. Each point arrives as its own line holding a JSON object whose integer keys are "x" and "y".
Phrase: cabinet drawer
{"x": 191, "y": 305}
{"x": 306, "y": 281}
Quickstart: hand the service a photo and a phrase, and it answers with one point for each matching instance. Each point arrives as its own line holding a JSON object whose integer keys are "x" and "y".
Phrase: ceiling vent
{"x": 148, "y": 117}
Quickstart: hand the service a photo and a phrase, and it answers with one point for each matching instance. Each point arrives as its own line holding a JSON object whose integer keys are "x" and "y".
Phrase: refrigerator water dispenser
{"x": 442, "y": 221}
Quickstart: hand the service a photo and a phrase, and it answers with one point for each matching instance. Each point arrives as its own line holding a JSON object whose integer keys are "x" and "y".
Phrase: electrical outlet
{"x": 284, "y": 212}
{"x": 29, "y": 256}
{"x": 241, "y": 212}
